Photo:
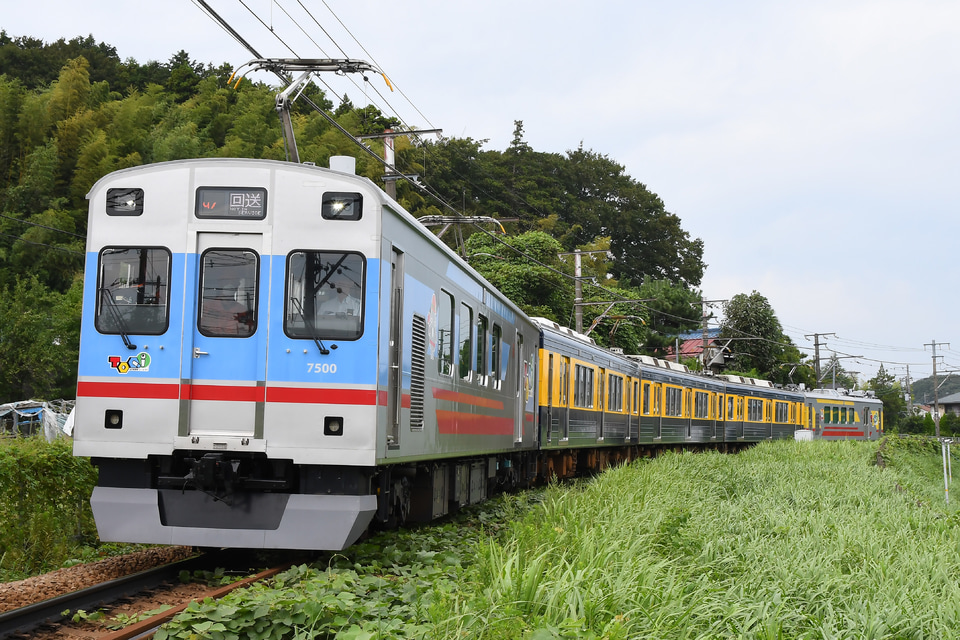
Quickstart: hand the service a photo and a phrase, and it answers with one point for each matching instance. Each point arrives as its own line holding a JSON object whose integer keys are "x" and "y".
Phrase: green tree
{"x": 527, "y": 269}
{"x": 886, "y": 387}
{"x": 671, "y": 310}
{"x": 39, "y": 339}
{"x": 756, "y": 336}
{"x": 646, "y": 241}
{"x": 11, "y": 97}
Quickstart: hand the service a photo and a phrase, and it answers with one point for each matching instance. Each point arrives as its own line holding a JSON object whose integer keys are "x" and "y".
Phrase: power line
{"x": 36, "y": 224}
{"x": 41, "y": 244}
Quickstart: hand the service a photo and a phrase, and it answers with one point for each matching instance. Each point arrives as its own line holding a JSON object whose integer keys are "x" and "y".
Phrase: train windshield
{"x": 324, "y": 295}
{"x": 228, "y": 305}
{"x": 133, "y": 290}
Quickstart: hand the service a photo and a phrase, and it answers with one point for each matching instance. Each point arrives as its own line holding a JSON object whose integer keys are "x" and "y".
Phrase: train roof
{"x": 842, "y": 394}
{"x": 341, "y": 171}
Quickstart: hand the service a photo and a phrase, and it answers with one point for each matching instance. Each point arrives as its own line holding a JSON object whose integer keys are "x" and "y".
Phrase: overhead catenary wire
{"x": 42, "y": 244}
{"x": 43, "y": 226}
{"x": 426, "y": 188}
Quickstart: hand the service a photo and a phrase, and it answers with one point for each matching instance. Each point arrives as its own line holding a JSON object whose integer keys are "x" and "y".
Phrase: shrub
{"x": 44, "y": 505}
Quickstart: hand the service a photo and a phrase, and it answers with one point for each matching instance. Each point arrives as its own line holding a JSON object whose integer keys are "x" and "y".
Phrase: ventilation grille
{"x": 417, "y": 369}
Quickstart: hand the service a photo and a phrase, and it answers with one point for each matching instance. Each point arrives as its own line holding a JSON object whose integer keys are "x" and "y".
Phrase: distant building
{"x": 950, "y": 404}
{"x": 691, "y": 346}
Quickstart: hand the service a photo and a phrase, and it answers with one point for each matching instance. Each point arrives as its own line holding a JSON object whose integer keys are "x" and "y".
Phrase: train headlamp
{"x": 333, "y": 426}
{"x": 341, "y": 206}
{"x": 113, "y": 419}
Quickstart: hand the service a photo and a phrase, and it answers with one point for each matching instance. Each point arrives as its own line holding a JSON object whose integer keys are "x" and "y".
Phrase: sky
{"x": 812, "y": 145}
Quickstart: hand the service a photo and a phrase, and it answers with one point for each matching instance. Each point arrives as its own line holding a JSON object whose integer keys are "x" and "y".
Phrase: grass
{"x": 785, "y": 540}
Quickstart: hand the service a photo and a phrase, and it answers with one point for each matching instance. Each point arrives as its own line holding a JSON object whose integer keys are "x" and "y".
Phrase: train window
{"x": 783, "y": 412}
{"x": 645, "y": 399}
{"x": 247, "y": 203}
{"x": 731, "y": 408}
{"x": 342, "y": 206}
{"x": 445, "y": 322}
{"x": 324, "y": 298}
{"x": 133, "y": 292}
{"x": 701, "y": 406}
{"x": 482, "y": 347}
{"x": 673, "y": 401}
{"x": 565, "y": 382}
{"x": 124, "y": 202}
{"x": 228, "y": 285}
{"x": 583, "y": 386}
{"x": 466, "y": 344}
{"x": 636, "y": 398}
{"x": 495, "y": 365}
{"x": 615, "y": 394}
{"x": 755, "y": 410}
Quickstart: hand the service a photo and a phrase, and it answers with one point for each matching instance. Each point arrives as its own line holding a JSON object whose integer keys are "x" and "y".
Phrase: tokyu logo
{"x": 139, "y": 362}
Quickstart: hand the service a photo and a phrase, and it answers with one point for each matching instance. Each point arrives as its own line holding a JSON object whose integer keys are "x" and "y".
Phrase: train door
{"x": 225, "y": 373}
{"x": 565, "y": 398}
{"x": 601, "y": 402}
{"x": 550, "y": 382}
{"x": 395, "y": 375}
{"x": 523, "y": 382}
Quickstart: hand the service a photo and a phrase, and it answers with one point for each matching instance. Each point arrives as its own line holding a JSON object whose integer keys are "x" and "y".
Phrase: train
{"x": 278, "y": 355}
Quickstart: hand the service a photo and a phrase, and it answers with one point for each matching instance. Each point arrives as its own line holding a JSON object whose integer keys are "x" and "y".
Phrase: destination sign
{"x": 232, "y": 202}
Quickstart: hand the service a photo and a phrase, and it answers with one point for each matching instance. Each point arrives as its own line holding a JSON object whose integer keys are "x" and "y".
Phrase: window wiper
{"x": 310, "y": 327}
{"x": 117, "y": 318}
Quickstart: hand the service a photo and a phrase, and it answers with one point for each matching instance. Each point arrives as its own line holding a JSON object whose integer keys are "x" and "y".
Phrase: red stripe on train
{"x": 466, "y": 398}
{"x": 322, "y": 396}
{"x": 128, "y": 390}
{"x": 457, "y": 423}
{"x": 842, "y": 432}
{"x": 228, "y": 393}
{"x": 223, "y": 393}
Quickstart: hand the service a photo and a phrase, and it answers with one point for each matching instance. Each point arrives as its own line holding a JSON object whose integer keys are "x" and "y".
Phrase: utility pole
{"x": 578, "y": 292}
{"x": 909, "y": 394}
{"x": 816, "y": 352}
{"x": 391, "y": 175}
{"x": 577, "y": 286}
{"x": 936, "y": 397}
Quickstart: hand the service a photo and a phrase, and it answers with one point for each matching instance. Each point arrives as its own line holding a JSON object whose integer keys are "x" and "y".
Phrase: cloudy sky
{"x": 811, "y": 145}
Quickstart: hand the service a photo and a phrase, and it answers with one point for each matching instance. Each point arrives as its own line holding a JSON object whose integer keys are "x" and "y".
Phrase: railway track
{"x": 52, "y": 618}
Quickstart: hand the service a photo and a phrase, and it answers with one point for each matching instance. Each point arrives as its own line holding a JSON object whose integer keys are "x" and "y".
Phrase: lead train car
{"x": 273, "y": 355}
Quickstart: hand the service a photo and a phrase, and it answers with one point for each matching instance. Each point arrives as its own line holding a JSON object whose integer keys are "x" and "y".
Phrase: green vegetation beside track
{"x": 785, "y": 540}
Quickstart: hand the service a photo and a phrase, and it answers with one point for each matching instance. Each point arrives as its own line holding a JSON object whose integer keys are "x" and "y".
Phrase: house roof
{"x": 951, "y": 399}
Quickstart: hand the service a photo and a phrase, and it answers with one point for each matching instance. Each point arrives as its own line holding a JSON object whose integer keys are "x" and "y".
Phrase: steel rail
{"x": 146, "y": 628}
{"x": 52, "y": 610}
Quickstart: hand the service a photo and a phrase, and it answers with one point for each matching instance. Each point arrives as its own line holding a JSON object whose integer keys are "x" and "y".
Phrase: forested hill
{"x": 923, "y": 389}
{"x": 72, "y": 111}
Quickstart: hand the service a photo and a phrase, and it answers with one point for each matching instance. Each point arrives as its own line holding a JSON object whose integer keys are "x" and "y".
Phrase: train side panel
{"x": 467, "y": 370}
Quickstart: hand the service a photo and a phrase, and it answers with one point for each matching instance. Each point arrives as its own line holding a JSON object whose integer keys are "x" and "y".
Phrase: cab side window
{"x": 133, "y": 290}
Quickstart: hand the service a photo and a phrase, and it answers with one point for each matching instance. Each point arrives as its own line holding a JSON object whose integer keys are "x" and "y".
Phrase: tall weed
{"x": 44, "y": 505}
